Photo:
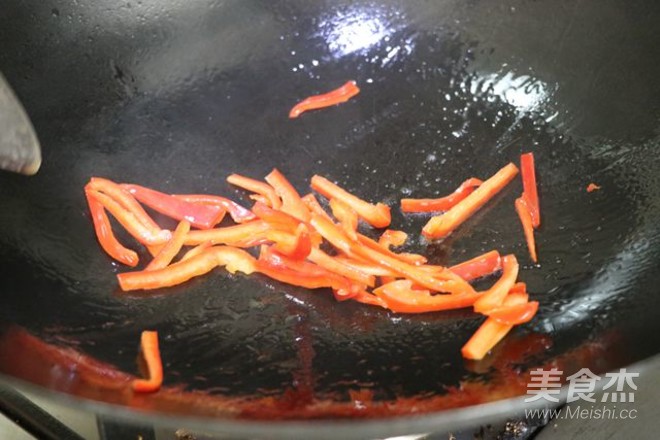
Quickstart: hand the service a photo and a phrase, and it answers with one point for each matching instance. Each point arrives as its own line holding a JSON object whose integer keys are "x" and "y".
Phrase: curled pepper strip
{"x": 232, "y": 258}
{"x": 171, "y": 248}
{"x": 196, "y": 250}
{"x": 105, "y": 236}
{"x": 130, "y": 222}
{"x": 199, "y": 216}
{"x": 334, "y": 97}
{"x": 442, "y": 203}
{"x": 443, "y": 225}
{"x": 377, "y": 215}
{"x": 255, "y": 186}
{"x": 151, "y": 354}
{"x": 125, "y": 199}
{"x": 592, "y": 187}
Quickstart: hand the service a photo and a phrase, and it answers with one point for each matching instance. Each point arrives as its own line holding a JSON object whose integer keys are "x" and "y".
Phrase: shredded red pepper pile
{"x": 292, "y": 234}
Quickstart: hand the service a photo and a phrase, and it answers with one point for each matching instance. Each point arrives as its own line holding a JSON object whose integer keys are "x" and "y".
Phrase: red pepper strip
{"x": 338, "y": 266}
{"x": 442, "y": 225}
{"x": 125, "y": 199}
{"x": 151, "y": 354}
{"x": 490, "y": 333}
{"x": 258, "y": 187}
{"x": 171, "y": 248}
{"x": 392, "y": 238}
{"x": 443, "y": 203}
{"x": 494, "y": 296}
{"x": 106, "y": 237}
{"x": 530, "y": 191}
{"x": 234, "y": 259}
{"x": 196, "y": 250}
{"x": 478, "y": 267}
{"x": 406, "y": 258}
{"x": 592, "y": 187}
{"x": 515, "y": 315}
{"x": 400, "y": 297}
{"x": 199, "y": 216}
{"x": 292, "y": 204}
{"x": 334, "y": 97}
{"x": 377, "y": 215}
{"x": 365, "y": 297}
{"x": 346, "y": 216}
{"x": 277, "y": 219}
{"x": 130, "y": 222}
{"x": 335, "y": 236}
{"x": 238, "y": 213}
{"x": 297, "y": 245}
{"x": 528, "y": 227}
{"x": 314, "y": 206}
{"x": 232, "y": 235}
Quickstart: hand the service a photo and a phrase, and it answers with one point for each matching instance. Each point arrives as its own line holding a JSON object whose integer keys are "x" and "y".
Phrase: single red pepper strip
{"x": 244, "y": 233}
{"x": 442, "y": 203}
{"x": 151, "y": 354}
{"x": 171, "y": 248}
{"x": 443, "y": 225}
{"x": 346, "y": 216}
{"x": 261, "y": 188}
{"x": 516, "y": 314}
{"x": 334, "y": 97}
{"x": 237, "y": 212}
{"x": 106, "y": 237}
{"x": 232, "y": 258}
{"x": 490, "y": 332}
{"x": 130, "y": 222}
{"x": 400, "y": 297}
{"x": 522, "y": 208}
{"x": 125, "y": 199}
{"x": 292, "y": 204}
{"x": 377, "y": 215}
{"x": 494, "y": 296}
{"x": 199, "y": 216}
{"x": 478, "y": 267}
{"x": 530, "y": 190}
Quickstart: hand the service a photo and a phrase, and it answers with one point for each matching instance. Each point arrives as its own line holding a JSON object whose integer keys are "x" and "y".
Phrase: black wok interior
{"x": 177, "y": 95}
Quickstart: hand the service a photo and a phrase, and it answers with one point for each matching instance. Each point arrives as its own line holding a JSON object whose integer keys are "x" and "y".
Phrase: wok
{"x": 177, "y": 95}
